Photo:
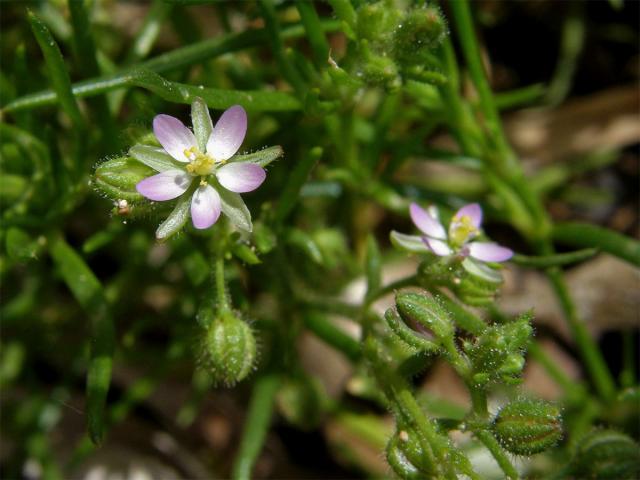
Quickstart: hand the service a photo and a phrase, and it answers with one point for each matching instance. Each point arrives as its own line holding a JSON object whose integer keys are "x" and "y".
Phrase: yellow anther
{"x": 461, "y": 230}
{"x": 200, "y": 163}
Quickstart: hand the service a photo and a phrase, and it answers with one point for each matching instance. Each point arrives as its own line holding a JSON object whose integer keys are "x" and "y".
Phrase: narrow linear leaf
{"x": 591, "y": 236}
{"x": 315, "y": 33}
{"x": 298, "y": 177}
{"x": 253, "y": 100}
{"x": 57, "y": 69}
{"x": 306, "y": 243}
{"x": 557, "y": 260}
{"x": 167, "y": 62}
{"x": 88, "y": 291}
{"x": 256, "y": 425}
{"x": 176, "y": 219}
{"x": 373, "y": 265}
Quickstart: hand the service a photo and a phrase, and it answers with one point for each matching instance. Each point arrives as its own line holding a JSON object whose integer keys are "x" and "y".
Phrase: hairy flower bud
{"x": 607, "y": 454}
{"x": 421, "y": 30}
{"x": 228, "y": 349}
{"x": 425, "y": 312}
{"x": 525, "y": 427}
{"x": 117, "y": 178}
{"x": 498, "y": 354}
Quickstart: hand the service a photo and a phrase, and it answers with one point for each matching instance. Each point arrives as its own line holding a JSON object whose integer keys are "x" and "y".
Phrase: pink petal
{"x": 426, "y": 223}
{"x": 241, "y": 177}
{"x": 473, "y": 211}
{"x": 489, "y": 252}
{"x": 228, "y": 134}
{"x": 438, "y": 247}
{"x": 174, "y": 137}
{"x": 164, "y": 186}
{"x": 205, "y": 207}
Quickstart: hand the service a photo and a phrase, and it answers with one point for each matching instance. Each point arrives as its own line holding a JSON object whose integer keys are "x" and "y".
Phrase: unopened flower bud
{"x": 228, "y": 349}
{"x": 525, "y": 427}
{"x": 421, "y": 31}
{"x": 426, "y": 312}
{"x": 117, "y": 178}
{"x": 607, "y": 454}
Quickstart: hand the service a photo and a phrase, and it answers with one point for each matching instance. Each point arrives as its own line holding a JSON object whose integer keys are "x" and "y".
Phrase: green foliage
{"x": 350, "y": 93}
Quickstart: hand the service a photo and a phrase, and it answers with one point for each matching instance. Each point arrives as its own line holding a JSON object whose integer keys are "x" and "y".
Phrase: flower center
{"x": 461, "y": 230}
{"x": 199, "y": 163}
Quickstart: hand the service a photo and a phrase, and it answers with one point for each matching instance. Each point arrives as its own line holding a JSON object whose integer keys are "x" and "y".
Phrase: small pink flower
{"x": 207, "y": 163}
{"x": 459, "y": 239}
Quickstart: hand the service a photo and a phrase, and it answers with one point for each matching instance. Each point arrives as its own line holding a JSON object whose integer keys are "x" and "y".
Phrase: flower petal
{"x": 164, "y": 186}
{"x": 473, "y": 211}
{"x": 205, "y": 207}
{"x": 228, "y": 134}
{"x": 438, "y": 247}
{"x": 489, "y": 252}
{"x": 241, "y": 177}
{"x": 174, "y": 137}
{"x": 426, "y": 223}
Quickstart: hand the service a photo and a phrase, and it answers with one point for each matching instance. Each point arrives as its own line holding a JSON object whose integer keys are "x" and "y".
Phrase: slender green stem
{"x": 465, "y": 31}
{"x": 392, "y": 287}
{"x": 497, "y": 451}
{"x": 222, "y": 299}
{"x": 170, "y": 61}
{"x": 592, "y": 357}
{"x": 325, "y": 330}
{"x": 256, "y": 425}
{"x": 628, "y": 374}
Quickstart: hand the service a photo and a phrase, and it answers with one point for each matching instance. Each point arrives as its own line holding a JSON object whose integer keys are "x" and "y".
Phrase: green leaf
{"x": 408, "y": 243}
{"x": 306, "y": 243}
{"x": 557, "y": 260}
{"x": 234, "y": 207}
{"x": 262, "y": 157}
{"x": 58, "y": 73}
{"x": 20, "y": 246}
{"x": 315, "y": 33}
{"x": 245, "y": 253}
{"x": 299, "y": 175}
{"x": 201, "y": 120}
{"x": 591, "y": 236}
{"x": 373, "y": 265}
{"x": 155, "y": 158}
{"x": 170, "y": 61}
{"x": 88, "y": 291}
{"x": 253, "y": 100}
{"x": 176, "y": 219}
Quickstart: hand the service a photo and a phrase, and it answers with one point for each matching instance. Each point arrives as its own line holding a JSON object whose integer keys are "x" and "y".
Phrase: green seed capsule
{"x": 525, "y": 427}
{"x": 228, "y": 349}
{"x": 607, "y": 454}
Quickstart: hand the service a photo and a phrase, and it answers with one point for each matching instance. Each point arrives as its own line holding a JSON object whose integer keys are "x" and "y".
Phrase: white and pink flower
{"x": 199, "y": 163}
{"x": 458, "y": 240}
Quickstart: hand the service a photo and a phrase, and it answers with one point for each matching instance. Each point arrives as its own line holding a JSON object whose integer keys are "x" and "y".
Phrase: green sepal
{"x": 155, "y": 158}
{"x": 201, "y": 121}
{"x": 176, "y": 219}
{"x": 235, "y": 209}
{"x": 408, "y": 243}
{"x": 262, "y": 157}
